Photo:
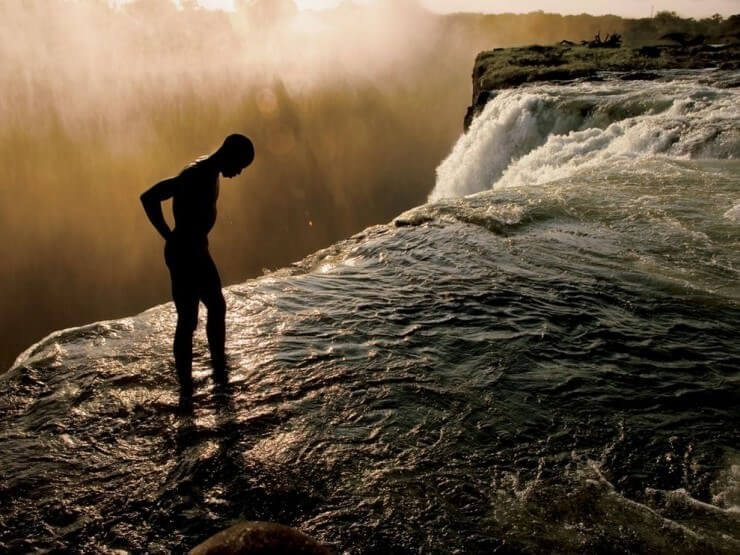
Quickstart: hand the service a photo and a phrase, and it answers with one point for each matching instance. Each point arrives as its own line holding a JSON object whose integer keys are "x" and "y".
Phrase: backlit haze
{"x": 351, "y": 110}
{"x": 626, "y": 8}
{"x": 99, "y": 104}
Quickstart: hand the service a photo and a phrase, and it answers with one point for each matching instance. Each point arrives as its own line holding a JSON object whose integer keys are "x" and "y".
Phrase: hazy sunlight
{"x": 302, "y": 4}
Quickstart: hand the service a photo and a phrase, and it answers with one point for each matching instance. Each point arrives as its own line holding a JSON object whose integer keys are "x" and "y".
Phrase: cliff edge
{"x": 505, "y": 68}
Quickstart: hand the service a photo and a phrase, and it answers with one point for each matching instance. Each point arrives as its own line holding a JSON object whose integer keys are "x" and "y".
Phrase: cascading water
{"x": 550, "y": 365}
{"x": 533, "y": 135}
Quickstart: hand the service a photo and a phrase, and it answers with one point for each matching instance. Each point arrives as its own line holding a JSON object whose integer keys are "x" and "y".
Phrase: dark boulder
{"x": 260, "y": 538}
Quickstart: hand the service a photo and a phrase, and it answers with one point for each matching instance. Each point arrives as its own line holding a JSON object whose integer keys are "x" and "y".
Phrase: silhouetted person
{"x": 194, "y": 193}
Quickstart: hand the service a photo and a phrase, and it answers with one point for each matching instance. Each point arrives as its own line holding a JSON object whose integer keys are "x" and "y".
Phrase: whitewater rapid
{"x": 550, "y": 365}
{"x": 538, "y": 134}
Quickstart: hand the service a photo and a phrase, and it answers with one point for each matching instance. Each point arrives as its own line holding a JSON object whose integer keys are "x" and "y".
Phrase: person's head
{"x": 235, "y": 154}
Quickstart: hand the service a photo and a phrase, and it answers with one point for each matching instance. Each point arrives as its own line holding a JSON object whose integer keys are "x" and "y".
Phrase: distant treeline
{"x": 181, "y": 25}
{"x": 545, "y": 28}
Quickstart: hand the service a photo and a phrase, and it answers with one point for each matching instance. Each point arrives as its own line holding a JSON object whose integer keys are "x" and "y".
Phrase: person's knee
{"x": 186, "y": 324}
{"x": 217, "y": 307}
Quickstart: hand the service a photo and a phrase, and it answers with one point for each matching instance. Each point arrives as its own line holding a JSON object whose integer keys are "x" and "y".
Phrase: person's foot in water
{"x": 221, "y": 376}
{"x": 220, "y": 369}
{"x": 185, "y": 405}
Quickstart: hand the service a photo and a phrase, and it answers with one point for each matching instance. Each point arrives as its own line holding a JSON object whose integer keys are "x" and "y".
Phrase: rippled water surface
{"x": 535, "y": 369}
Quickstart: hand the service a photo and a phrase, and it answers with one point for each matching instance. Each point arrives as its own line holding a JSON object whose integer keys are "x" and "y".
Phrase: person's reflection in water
{"x": 227, "y": 426}
{"x": 207, "y": 488}
{"x": 194, "y": 193}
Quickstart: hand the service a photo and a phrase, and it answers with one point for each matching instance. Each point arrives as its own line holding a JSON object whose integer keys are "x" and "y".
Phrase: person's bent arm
{"x": 152, "y": 201}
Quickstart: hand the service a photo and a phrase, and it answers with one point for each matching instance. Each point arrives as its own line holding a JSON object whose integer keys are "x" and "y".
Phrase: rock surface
{"x": 260, "y": 538}
{"x": 510, "y": 67}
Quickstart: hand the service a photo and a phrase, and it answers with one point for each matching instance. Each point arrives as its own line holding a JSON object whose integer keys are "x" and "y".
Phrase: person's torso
{"x": 194, "y": 201}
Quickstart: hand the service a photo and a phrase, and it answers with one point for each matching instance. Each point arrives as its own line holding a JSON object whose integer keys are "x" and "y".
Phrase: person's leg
{"x": 213, "y": 298}
{"x": 185, "y": 296}
{"x": 187, "y": 321}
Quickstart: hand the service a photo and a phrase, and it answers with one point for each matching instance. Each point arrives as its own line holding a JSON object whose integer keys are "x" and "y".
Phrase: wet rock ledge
{"x": 505, "y": 68}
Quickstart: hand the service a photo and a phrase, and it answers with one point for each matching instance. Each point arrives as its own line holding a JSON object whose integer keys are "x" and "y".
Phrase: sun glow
{"x": 217, "y": 4}
{"x": 301, "y": 4}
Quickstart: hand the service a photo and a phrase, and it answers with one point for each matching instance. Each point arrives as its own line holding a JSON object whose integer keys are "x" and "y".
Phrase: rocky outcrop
{"x": 507, "y": 68}
{"x": 260, "y": 538}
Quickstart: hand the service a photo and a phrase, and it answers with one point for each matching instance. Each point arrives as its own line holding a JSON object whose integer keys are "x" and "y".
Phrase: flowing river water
{"x": 550, "y": 364}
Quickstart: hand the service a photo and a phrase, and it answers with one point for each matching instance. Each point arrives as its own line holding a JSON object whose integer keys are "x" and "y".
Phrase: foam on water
{"x": 733, "y": 214}
{"x": 534, "y": 135}
{"x": 536, "y": 368}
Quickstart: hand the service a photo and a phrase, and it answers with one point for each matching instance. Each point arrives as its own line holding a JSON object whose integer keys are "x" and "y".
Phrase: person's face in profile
{"x": 234, "y": 161}
{"x": 233, "y": 168}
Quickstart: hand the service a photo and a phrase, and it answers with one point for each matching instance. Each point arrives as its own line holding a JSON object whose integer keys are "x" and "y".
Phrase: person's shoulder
{"x": 197, "y": 165}
{"x": 199, "y": 170}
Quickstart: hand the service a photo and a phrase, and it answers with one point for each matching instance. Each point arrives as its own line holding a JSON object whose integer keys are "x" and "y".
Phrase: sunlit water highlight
{"x": 536, "y": 368}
